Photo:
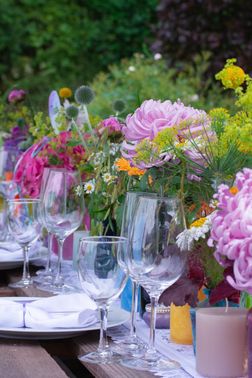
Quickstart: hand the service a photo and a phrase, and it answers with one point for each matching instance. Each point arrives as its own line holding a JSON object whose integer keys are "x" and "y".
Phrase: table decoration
{"x": 221, "y": 347}
{"x": 181, "y": 325}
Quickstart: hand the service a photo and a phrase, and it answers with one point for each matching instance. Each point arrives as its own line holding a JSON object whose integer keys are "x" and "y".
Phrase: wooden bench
{"x": 52, "y": 358}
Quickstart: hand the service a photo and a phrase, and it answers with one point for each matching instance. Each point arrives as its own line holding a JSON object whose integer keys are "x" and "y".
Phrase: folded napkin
{"x": 62, "y": 311}
{"x": 11, "y": 251}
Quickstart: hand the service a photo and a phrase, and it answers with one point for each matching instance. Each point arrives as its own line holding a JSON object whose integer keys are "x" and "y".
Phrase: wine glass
{"x": 62, "y": 211}
{"x": 8, "y": 188}
{"x": 103, "y": 278}
{"x": 45, "y": 276}
{"x": 24, "y": 225}
{"x": 157, "y": 262}
{"x": 131, "y": 344}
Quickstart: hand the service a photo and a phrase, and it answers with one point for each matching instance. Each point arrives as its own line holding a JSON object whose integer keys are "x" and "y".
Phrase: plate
{"x": 116, "y": 316}
{"x": 12, "y": 264}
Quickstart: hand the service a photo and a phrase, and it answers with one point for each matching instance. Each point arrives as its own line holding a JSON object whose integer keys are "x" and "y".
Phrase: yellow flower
{"x": 234, "y": 190}
{"x": 65, "y": 92}
{"x": 122, "y": 165}
{"x": 231, "y": 76}
{"x": 198, "y": 222}
{"x": 134, "y": 171}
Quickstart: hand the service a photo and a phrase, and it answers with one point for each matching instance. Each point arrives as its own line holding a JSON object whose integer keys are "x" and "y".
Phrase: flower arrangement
{"x": 231, "y": 230}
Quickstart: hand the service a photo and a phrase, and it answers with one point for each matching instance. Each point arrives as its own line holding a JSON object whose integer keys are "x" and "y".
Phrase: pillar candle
{"x": 180, "y": 324}
{"x": 221, "y": 342}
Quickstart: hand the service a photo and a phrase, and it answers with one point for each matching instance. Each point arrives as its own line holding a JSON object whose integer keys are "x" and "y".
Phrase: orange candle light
{"x": 180, "y": 324}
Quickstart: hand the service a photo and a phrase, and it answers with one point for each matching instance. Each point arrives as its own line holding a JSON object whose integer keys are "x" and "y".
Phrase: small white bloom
{"x": 194, "y": 97}
{"x": 89, "y": 186}
{"x": 107, "y": 177}
{"x": 79, "y": 190}
{"x": 131, "y": 68}
{"x": 114, "y": 148}
{"x": 98, "y": 158}
{"x": 157, "y": 56}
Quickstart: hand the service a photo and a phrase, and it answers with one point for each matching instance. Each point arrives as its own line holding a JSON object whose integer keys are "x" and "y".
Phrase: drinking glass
{"x": 24, "y": 225}
{"x": 103, "y": 278}
{"x": 8, "y": 188}
{"x": 62, "y": 211}
{"x": 155, "y": 259}
{"x": 131, "y": 344}
{"x": 45, "y": 276}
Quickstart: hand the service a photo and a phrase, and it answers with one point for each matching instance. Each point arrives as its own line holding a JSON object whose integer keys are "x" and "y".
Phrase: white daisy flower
{"x": 107, "y": 177}
{"x": 89, "y": 187}
{"x": 197, "y": 230}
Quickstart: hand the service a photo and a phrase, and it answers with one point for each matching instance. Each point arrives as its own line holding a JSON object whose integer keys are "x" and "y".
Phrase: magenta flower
{"x": 154, "y": 116}
{"x": 16, "y": 95}
{"x": 231, "y": 233}
{"x": 111, "y": 124}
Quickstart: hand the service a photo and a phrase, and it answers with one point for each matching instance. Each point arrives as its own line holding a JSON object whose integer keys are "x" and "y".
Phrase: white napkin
{"x": 62, "y": 311}
{"x": 11, "y": 251}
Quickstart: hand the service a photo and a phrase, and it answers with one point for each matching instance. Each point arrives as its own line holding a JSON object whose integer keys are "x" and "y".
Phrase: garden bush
{"x": 67, "y": 42}
{"x": 188, "y": 27}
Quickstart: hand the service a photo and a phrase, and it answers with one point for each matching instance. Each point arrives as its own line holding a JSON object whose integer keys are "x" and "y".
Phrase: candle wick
{"x": 226, "y": 309}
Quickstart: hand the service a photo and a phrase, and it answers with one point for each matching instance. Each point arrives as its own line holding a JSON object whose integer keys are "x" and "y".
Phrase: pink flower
{"x": 231, "y": 233}
{"x": 16, "y": 95}
{"x": 154, "y": 116}
{"x": 111, "y": 124}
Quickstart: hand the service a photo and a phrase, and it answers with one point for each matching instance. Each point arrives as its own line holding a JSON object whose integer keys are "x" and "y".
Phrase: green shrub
{"x": 140, "y": 78}
{"x": 67, "y": 42}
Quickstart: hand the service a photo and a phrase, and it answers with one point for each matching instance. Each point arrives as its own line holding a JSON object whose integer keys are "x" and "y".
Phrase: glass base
{"x": 161, "y": 364}
{"x": 22, "y": 284}
{"x": 62, "y": 289}
{"x": 98, "y": 358}
{"x": 130, "y": 346}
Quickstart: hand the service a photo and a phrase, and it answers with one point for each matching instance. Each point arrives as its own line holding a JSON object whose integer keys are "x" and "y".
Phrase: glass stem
{"x": 26, "y": 273}
{"x": 48, "y": 268}
{"x": 151, "y": 347}
{"x": 59, "y": 279}
{"x": 103, "y": 342}
{"x": 134, "y": 303}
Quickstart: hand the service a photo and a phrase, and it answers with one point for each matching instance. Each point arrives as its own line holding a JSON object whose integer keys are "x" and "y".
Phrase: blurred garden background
{"x": 123, "y": 49}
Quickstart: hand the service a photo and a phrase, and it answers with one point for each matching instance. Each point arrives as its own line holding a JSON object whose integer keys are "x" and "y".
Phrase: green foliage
{"x": 66, "y": 42}
{"x": 139, "y": 78}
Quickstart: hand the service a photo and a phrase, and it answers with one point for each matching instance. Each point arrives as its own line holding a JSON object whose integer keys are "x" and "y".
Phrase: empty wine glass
{"x": 156, "y": 260}
{"x": 131, "y": 344}
{"x": 103, "y": 278}
{"x": 45, "y": 276}
{"x": 63, "y": 212}
{"x": 8, "y": 188}
{"x": 24, "y": 225}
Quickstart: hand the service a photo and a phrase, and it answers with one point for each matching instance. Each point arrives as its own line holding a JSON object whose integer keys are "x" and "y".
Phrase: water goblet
{"x": 24, "y": 225}
{"x": 131, "y": 344}
{"x": 62, "y": 211}
{"x": 156, "y": 260}
{"x": 103, "y": 278}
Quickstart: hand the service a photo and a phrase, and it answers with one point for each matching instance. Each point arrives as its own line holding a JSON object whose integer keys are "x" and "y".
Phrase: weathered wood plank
{"x": 20, "y": 359}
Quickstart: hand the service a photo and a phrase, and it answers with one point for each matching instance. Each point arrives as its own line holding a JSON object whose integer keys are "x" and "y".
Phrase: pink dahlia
{"x": 154, "y": 116}
{"x": 231, "y": 232}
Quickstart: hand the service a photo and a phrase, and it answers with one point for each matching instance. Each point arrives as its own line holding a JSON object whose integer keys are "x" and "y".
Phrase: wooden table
{"x": 52, "y": 358}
